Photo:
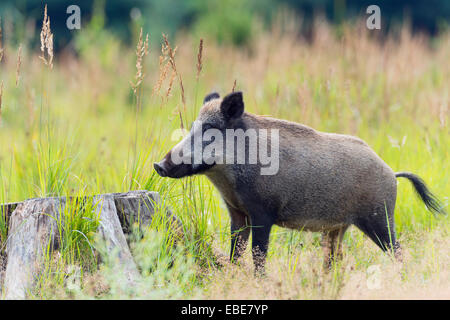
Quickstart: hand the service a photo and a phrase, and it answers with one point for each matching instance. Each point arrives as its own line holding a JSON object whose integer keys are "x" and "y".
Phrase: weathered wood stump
{"x": 7, "y": 208}
{"x": 137, "y": 208}
{"x": 111, "y": 231}
{"x": 33, "y": 233}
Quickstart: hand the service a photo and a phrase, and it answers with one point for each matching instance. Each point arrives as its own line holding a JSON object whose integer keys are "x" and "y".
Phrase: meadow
{"x": 89, "y": 122}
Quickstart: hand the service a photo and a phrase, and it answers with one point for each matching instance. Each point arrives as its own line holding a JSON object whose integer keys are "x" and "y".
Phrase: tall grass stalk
{"x": 142, "y": 50}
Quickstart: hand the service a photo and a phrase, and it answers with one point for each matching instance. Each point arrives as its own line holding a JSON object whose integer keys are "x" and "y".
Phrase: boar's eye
{"x": 207, "y": 126}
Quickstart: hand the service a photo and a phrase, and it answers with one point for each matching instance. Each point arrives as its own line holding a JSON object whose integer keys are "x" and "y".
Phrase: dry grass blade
{"x": 199, "y": 58}
{"x": 1, "y": 96}
{"x": 19, "y": 63}
{"x": 234, "y": 86}
{"x": 46, "y": 40}
{"x": 169, "y": 88}
{"x": 443, "y": 114}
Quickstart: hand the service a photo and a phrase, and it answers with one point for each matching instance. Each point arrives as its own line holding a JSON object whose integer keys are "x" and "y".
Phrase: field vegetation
{"x": 94, "y": 119}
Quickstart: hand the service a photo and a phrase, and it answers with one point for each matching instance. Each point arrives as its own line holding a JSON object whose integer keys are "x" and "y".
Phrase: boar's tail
{"x": 433, "y": 204}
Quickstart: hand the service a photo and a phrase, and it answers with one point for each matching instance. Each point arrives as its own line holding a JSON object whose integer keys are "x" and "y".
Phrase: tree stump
{"x": 138, "y": 207}
{"x": 33, "y": 234}
{"x": 7, "y": 208}
{"x": 112, "y": 234}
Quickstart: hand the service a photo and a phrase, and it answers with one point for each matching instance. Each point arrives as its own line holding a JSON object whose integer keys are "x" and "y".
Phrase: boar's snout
{"x": 166, "y": 168}
{"x": 160, "y": 168}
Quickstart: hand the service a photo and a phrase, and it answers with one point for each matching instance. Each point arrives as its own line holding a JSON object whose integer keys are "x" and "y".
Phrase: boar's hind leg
{"x": 240, "y": 231}
{"x": 261, "y": 225}
{"x": 332, "y": 245}
{"x": 377, "y": 228}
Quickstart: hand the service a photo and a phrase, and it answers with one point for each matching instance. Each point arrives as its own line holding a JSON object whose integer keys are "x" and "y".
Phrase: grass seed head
{"x": 199, "y": 58}
{"x": 169, "y": 88}
{"x": 163, "y": 70}
{"x": 141, "y": 52}
{"x": 46, "y": 40}
{"x": 171, "y": 55}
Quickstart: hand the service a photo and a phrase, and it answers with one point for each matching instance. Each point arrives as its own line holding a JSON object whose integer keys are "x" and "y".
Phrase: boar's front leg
{"x": 240, "y": 231}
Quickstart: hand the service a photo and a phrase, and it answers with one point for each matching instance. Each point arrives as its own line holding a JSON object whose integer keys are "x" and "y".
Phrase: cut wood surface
{"x": 7, "y": 208}
{"x": 138, "y": 207}
{"x": 33, "y": 234}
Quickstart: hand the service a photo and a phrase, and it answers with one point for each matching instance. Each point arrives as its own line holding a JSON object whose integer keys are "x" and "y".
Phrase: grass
{"x": 79, "y": 129}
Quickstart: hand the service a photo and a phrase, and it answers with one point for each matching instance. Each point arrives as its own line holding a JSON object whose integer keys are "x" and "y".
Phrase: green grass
{"x": 75, "y": 130}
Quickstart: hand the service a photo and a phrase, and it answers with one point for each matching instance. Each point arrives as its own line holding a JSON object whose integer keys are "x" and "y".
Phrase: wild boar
{"x": 322, "y": 182}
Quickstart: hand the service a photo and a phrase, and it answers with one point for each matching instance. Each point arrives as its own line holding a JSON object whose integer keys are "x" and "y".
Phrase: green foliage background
{"x": 76, "y": 130}
{"x": 231, "y": 21}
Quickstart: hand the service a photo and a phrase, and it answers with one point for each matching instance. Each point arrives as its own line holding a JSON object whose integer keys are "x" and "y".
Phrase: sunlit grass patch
{"x": 79, "y": 130}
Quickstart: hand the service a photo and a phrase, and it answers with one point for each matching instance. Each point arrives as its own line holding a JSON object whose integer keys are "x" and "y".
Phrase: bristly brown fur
{"x": 323, "y": 182}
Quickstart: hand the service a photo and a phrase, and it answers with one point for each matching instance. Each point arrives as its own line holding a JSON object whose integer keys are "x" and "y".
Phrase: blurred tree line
{"x": 228, "y": 21}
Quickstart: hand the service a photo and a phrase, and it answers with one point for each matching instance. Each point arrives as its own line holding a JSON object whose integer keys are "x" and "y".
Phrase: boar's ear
{"x": 211, "y": 96}
{"x": 232, "y": 105}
